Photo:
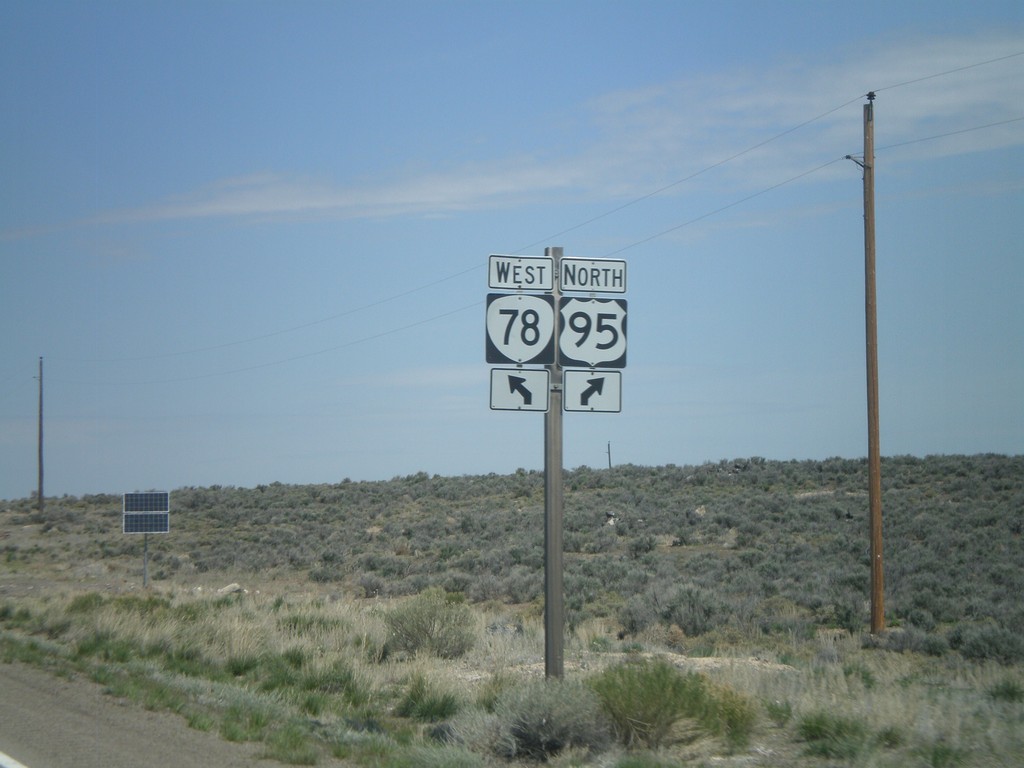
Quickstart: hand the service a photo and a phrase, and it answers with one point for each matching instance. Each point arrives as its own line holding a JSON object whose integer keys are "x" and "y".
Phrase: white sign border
{"x": 499, "y": 373}
{"x": 570, "y": 388}
{"x": 599, "y": 262}
{"x": 548, "y": 287}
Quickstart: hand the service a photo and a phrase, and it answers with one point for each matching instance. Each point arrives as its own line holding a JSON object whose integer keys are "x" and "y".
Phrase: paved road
{"x": 50, "y": 722}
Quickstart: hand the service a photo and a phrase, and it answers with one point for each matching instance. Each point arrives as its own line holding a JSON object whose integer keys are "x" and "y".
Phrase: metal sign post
{"x": 559, "y": 333}
{"x": 554, "y": 597}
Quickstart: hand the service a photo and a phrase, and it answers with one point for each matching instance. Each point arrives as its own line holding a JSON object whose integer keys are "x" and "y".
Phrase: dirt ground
{"x": 52, "y": 722}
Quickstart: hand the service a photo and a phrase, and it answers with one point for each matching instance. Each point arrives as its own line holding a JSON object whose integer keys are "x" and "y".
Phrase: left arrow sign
{"x": 519, "y": 389}
{"x": 515, "y": 384}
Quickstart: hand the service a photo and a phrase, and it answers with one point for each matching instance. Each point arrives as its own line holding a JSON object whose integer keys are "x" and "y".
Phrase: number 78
{"x": 529, "y": 334}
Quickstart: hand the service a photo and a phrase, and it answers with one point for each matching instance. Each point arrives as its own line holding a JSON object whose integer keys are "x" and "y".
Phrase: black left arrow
{"x": 596, "y": 388}
{"x": 515, "y": 384}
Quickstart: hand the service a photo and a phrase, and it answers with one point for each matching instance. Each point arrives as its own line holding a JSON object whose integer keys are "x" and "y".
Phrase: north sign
{"x": 521, "y": 328}
{"x": 519, "y": 389}
{"x": 592, "y": 391}
{"x": 593, "y": 333}
{"x": 592, "y": 275}
{"x": 520, "y": 273}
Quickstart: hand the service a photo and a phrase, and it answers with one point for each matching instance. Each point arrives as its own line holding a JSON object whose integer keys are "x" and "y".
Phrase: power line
{"x": 802, "y": 175}
{"x": 951, "y": 133}
{"x": 694, "y": 175}
{"x": 291, "y": 359}
{"x": 723, "y": 208}
{"x": 949, "y": 71}
{"x": 281, "y": 332}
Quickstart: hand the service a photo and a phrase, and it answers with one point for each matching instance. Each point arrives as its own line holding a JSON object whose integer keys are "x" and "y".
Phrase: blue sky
{"x": 250, "y": 240}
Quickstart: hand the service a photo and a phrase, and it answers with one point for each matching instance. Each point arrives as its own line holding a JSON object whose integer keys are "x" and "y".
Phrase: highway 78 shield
{"x": 593, "y": 333}
{"x": 520, "y": 328}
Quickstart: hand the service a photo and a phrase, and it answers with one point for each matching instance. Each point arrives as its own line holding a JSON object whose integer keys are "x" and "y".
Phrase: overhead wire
{"x": 723, "y": 208}
{"x": 695, "y": 174}
{"x": 293, "y": 358}
{"x": 949, "y": 71}
{"x": 292, "y": 329}
{"x": 950, "y": 133}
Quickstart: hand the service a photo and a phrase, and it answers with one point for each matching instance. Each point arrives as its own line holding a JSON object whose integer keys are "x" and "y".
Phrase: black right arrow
{"x": 515, "y": 384}
{"x": 595, "y": 388}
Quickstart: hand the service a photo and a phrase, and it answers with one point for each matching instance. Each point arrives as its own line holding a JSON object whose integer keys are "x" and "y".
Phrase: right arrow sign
{"x": 592, "y": 391}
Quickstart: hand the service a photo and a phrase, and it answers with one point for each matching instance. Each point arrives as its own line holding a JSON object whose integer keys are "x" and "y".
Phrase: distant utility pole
{"x": 871, "y": 324}
{"x": 40, "y": 497}
{"x": 609, "y": 455}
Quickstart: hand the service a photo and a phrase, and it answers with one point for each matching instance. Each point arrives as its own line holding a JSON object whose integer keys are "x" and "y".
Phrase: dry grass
{"x": 908, "y": 709}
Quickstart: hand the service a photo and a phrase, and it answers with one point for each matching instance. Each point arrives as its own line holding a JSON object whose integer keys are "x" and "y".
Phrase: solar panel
{"x": 154, "y": 501}
{"x": 146, "y": 513}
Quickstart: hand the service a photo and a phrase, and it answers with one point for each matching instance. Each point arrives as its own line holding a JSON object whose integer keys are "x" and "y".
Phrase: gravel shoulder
{"x": 53, "y": 722}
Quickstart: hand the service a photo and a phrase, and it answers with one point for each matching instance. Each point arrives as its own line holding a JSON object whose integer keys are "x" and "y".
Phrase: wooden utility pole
{"x": 554, "y": 599}
{"x": 40, "y": 497}
{"x": 871, "y": 323}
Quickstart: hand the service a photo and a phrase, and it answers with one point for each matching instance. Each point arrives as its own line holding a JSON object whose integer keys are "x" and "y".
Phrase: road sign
{"x": 520, "y": 328}
{"x": 594, "y": 391}
{"x": 522, "y": 273}
{"x": 593, "y": 333}
{"x": 592, "y": 275}
{"x": 520, "y": 389}
{"x": 146, "y": 512}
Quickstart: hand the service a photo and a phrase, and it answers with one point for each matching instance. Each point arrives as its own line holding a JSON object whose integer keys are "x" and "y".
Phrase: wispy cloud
{"x": 643, "y": 139}
{"x": 693, "y": 124}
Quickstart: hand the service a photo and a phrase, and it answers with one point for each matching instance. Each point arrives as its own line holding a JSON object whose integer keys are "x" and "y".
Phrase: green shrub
{"x": 337, "y": 680}
{"x": 199, "y": 720}
{"x": 244, "y": 722}
{"x": 890, "y": 737}
{"x": 141, "y": 605}
{"x": 1007, "y": 690}
{"x": 829, "y": 735}
{"x": 729, "y": 714}
{"x": 642, "y": 761}
{"x": 540, "y": 719}
{"x": 292, "y": 745}
{"x": 421, "y": 703}
{"x": 645, "y": 699}
{"x": 241, "y": 665}
{"x": 939, "y": 754}
{"x": 779, "y": 711}
{"x": 86, "y": 603}
{"x": 987, "y": 643}
{"x": 104, "y": 645}
{"x": 432, "y": 623}
{"x": 911, "y": 640}
{"x": 491, "y": 689}
{"x": 447, "y": 756}
{"x": 692, "y": 608}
